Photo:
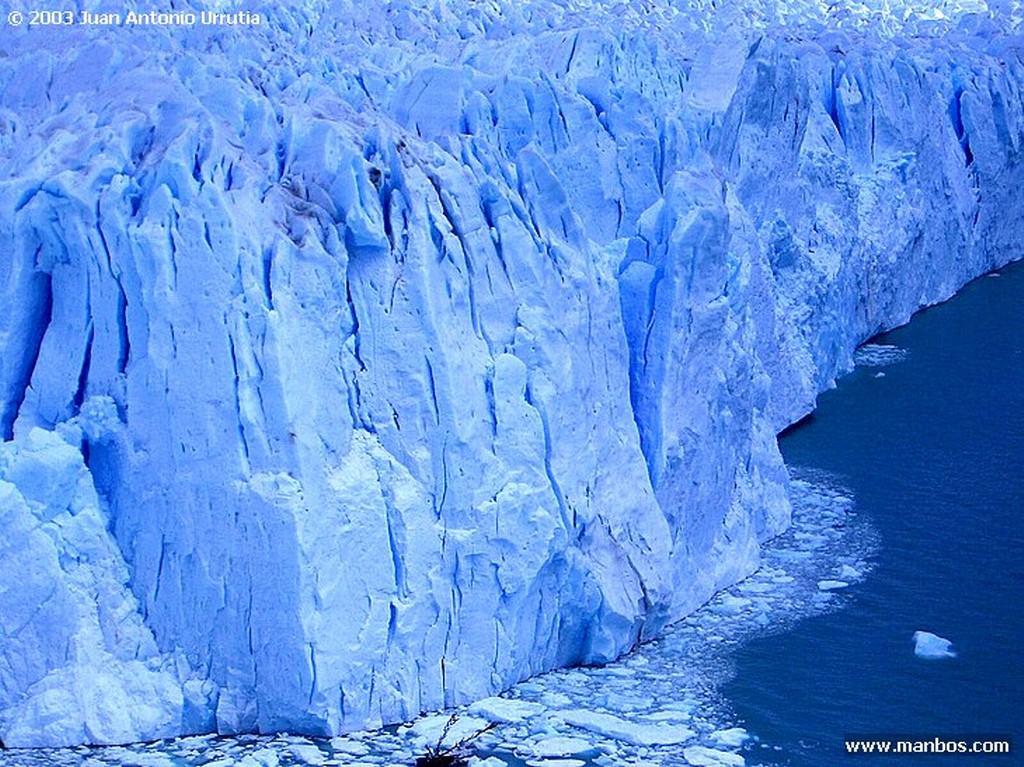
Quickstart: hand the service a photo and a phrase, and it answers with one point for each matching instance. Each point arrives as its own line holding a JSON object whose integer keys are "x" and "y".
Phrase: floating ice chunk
{"x": 830, "y": 585}
{"x": 621, "y": 671}
{"x": 630, "y": 732}
{"x": 702, "y": 756}
{"x": 264, "y": 757}
{"x": 555, "y": 763}
{"x": 308, "y": 754}
{"x": 669, "y": 715}
{"x": 932, "y": 646}
{"x": 629, "y": 700}
{"x": 493, "y": 761}
{"x": 754, "y": 587}
{"x": 555, "y": 699}
{"x": 349, "y": 747}
{"x": 730, "y": 605}
{"x": 561, "y": 745}
{"x": 505, "y": 709}
{"x": 734, "y": 737}
{"x": 849, "y": 573}
{"x": 149, "y": 760}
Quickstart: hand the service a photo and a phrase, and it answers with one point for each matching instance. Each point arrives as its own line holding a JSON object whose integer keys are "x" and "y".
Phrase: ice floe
{"x": 505, "y": 710}
{"x": 831, "y": 585}
{"x": 493, "y": 761}
{"x": 306, "y": 754}
{"x": 734, "y": 737}
{"x": 626, "y": 731}
{"x": 702, "y": 756}
{"x": 931, "y": 646}
{"x": 560, "y": 745}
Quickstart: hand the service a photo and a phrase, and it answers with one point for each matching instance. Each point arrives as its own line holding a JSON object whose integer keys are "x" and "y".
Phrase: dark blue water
{"x": 934, "y": 454}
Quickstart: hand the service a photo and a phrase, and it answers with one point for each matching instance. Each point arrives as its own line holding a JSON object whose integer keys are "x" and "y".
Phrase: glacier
{"x": 367, "y": 360}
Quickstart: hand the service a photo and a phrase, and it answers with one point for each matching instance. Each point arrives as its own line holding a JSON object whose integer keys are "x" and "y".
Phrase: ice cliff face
{"x": 364, "y": 362}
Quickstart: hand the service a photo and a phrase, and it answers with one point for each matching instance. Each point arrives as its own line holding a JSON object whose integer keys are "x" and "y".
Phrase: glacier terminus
{"x": 367, "y": 359}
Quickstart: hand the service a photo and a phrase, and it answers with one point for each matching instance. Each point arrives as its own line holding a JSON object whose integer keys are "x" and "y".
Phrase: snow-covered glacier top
{"x": 358, "y": 360}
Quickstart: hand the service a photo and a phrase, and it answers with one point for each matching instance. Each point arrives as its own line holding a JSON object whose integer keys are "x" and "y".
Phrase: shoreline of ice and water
{"x": 661, "y": 704}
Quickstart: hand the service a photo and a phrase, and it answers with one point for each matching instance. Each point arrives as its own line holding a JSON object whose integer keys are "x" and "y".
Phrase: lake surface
{"x": 933, "y": 453}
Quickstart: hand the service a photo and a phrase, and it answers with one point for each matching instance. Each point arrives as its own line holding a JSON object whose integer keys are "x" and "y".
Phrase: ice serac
{"x": 366, "y": 361}
{"x": 80, "y": 665}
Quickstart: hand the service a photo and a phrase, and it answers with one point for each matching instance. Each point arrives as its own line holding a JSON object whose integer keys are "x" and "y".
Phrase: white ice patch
{"x": 505, "y": 709}
{"x": 308, "y": 754}
{"x": 878, "y": 355}
{"x": 493, "y": 761}
{"x": 560, "y": 746}
{"x": 345, "y": 746}
{"x": 433, "y": 730}
{"x": 730, "y": 605}
{"x": 265, "y": 758}
{"x": 849, "y": 573}
{"x": 627, "y": 731}
{"x": 149, "y": 760}
{"x": 931, "y": 646}
{"x": 830, "y": 585}
{"x": 734, "y": 737}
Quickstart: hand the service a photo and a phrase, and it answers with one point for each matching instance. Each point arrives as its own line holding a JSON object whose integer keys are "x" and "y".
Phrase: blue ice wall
{"x": 361, "y": 362}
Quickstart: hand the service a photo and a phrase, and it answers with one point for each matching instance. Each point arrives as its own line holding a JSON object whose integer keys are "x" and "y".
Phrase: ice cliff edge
{"x": 356, "y": 363}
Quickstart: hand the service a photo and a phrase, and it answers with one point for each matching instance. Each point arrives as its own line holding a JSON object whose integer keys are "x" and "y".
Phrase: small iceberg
{"x": 506, "y": 709}
{"x": 561, "y": 745}
{"x": 831, "y": 585}
{"x": 849, "y": 573}
{"x": 624, "y": 730}
{"x": 734, "y": 737}
{"x": 931, "y": 646}
{"x": 702, "y": 756}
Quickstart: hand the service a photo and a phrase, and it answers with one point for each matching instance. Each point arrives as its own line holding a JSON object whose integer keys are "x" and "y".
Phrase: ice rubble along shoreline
{"x": 426, "y": 369}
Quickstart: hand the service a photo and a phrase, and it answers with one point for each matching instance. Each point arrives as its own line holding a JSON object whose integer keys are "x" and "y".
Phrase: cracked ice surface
{"x": 445, "y": 345}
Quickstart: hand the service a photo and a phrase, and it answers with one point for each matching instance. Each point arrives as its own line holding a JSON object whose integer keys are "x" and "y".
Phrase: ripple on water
{"x": 878, "y": 355}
